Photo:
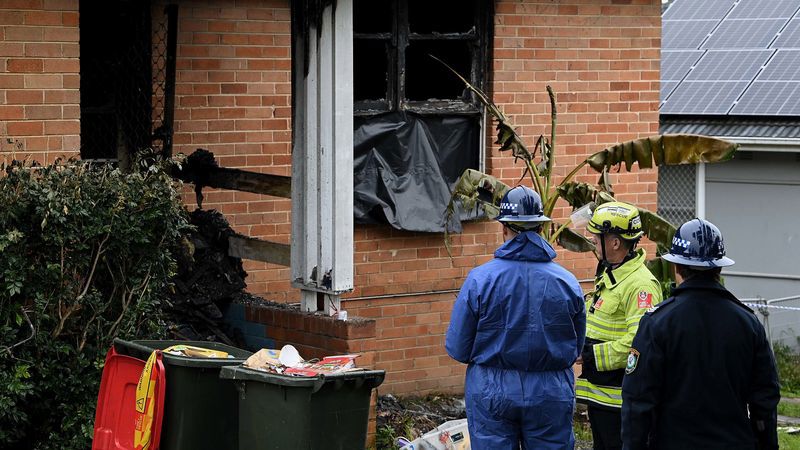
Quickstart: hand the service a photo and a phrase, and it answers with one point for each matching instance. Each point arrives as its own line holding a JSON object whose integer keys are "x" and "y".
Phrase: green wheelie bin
{"x": 200, "y": 410}
{"x": 280, "y": 412}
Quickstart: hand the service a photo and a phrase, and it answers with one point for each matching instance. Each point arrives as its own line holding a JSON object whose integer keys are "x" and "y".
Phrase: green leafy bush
{"x": 86, "y": 254}
{"x": 788, "y": 367}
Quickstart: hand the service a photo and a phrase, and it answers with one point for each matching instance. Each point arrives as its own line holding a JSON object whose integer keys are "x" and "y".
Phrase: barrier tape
{"x": 755, "y": 305}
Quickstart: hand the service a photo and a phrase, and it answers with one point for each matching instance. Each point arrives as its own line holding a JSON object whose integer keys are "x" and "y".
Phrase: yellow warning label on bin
{"x": 145, "y": 402}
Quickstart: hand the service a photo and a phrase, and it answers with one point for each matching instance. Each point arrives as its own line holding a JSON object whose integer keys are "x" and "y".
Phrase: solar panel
{"x": 784, "y": 66}
{"x": 760, "y": 9}
{"x": 703, "y": 97}
{"x": 731, "y": 65}
{"x": 698, "y": 9}
{"x": 790, "y": 36}
{"x": 675, "y": 64}
{"x": 792, "y": 105}
{"x": 737, "y": 57}
{"x": 765, "y": 98}
{"x": 688, "y": 34}
{"x": 745, "y": 33}
{"x": 666, "y": 88}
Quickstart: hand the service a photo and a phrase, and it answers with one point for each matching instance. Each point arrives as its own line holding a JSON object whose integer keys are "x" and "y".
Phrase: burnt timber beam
{"x": 237, "y": 180}
{"x": 265, "y": 251}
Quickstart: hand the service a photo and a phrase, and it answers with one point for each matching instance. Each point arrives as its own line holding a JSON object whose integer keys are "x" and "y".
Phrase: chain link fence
{"x": 677, "y": 188}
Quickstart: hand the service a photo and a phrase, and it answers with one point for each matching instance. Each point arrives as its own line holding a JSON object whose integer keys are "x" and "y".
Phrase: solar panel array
{"x": 731, "y": 57}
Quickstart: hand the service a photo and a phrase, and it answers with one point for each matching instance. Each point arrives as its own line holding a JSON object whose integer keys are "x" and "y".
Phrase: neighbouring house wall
{"x": 39, "y": 81}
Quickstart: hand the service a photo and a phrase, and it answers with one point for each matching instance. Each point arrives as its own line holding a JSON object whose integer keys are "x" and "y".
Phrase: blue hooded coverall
{"x": 519, "y": 323}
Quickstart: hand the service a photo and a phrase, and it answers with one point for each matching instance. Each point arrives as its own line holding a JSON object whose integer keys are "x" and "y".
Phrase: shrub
{"x": 788, "y": 367}
{"x": 86, "y": 252}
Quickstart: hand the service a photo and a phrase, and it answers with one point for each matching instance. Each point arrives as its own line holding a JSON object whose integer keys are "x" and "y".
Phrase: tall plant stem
{"x": 553, "y": 120}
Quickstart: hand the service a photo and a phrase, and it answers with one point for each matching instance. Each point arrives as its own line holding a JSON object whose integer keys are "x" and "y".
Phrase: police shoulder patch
{"x": 633, "y": 360}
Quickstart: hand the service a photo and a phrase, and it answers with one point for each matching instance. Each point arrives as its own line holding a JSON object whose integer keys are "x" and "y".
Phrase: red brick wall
{"x": 39, "y": 81}
{"x": 233, "y": 98}
{"x": 602, "y": 60}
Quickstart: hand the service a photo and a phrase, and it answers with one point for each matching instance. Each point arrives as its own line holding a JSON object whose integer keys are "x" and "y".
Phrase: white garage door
{"x": 755, "y": 201}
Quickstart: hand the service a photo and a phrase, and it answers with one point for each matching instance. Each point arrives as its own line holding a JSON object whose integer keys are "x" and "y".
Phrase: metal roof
{"x": 732, "y": 127}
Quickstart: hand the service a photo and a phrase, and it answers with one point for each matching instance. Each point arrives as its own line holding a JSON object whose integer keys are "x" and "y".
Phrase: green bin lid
{"x": 373, "y": 377}
{"x": 142, "y": 348}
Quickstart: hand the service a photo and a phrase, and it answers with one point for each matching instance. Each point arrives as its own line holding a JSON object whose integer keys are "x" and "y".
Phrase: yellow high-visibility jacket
{"x": 613, "y": 311}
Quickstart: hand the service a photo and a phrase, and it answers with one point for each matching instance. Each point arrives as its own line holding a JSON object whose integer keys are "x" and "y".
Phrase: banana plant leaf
{"x": 574, "y": 242}
{"x": 657, "y": 229}
{"x": 668, "y": 149}
{"x": 576, "y": 194}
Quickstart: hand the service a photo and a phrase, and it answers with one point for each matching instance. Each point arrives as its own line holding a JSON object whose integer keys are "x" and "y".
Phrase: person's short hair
{"x": 687, "y": 272}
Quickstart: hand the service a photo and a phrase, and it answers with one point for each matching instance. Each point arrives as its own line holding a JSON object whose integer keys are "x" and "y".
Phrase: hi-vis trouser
{"x": 609, "y": 396}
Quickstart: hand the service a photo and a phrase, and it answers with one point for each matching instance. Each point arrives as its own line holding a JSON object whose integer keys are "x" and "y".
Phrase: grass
{"x": 789, "y": 409}
{"x": 788, "y": 441}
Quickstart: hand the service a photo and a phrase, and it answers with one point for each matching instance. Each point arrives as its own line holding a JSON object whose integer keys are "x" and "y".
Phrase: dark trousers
{"x": 606, "y": 427}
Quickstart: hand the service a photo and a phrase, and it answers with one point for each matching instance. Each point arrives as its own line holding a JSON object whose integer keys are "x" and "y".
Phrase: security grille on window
{"x": 416, "y": 128}
{"x": 677, "y": 186}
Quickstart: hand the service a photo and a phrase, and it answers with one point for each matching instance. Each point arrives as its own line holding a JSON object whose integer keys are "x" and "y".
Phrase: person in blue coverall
{"x": 519, "y": 323}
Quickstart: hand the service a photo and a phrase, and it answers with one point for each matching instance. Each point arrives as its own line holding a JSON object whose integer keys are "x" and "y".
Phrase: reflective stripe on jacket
{"x": 613, "y": 311}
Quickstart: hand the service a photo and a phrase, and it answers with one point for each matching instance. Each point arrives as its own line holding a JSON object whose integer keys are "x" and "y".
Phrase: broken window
{"x": 417, "y": 127}
{"x": 126, "y": 88}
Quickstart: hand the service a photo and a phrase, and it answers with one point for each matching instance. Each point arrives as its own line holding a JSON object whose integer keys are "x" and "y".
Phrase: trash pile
{"x": 287, "y": 361}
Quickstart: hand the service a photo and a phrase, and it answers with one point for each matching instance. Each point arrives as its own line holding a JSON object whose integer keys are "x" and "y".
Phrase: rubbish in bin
{"x": 289, "y": 356}
{"x": 289, "y": 362}
{"x": 326, "y": 366}
{"x": 451, "y": 435}
{"x": 265, "y": 359}
{"x": 196, "y": 352}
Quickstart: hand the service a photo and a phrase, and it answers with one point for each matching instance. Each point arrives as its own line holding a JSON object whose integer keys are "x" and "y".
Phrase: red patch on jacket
{"x": 645, "y": 300}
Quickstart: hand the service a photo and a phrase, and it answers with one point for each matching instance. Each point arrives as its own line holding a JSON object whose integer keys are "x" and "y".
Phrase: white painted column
{"x": 322, "y": 160}
{"x": 700, "y": 190}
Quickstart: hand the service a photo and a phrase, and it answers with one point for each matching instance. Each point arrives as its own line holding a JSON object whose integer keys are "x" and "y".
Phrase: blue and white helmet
{"x": 698, "y": 243}
{"x": 522, "y": 205}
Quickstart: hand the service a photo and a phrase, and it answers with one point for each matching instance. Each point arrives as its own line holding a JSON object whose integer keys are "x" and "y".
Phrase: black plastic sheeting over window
{"x": 405, "y": 166}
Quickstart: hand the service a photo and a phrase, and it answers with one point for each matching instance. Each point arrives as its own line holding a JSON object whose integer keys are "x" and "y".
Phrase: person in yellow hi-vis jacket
{"x": 624, "y": 290}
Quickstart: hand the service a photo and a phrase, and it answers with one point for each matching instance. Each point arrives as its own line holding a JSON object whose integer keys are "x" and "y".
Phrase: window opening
{"x": 127, "y": 77}
{"x": 392, "y": 43}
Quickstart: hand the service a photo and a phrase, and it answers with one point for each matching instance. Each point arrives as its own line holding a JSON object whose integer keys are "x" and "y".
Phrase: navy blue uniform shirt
{"x": 701, "y": 375}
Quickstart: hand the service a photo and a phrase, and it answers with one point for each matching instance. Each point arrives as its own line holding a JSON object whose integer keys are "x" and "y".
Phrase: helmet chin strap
{"x": 608, "y": 267}
{"x": 603, "y": 264}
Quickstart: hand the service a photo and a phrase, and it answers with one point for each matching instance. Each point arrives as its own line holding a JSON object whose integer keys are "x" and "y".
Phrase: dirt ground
{"x": 411, "y": 417}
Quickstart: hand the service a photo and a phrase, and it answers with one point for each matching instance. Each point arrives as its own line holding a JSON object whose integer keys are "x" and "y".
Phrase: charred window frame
{"x": 392, "y": 43}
